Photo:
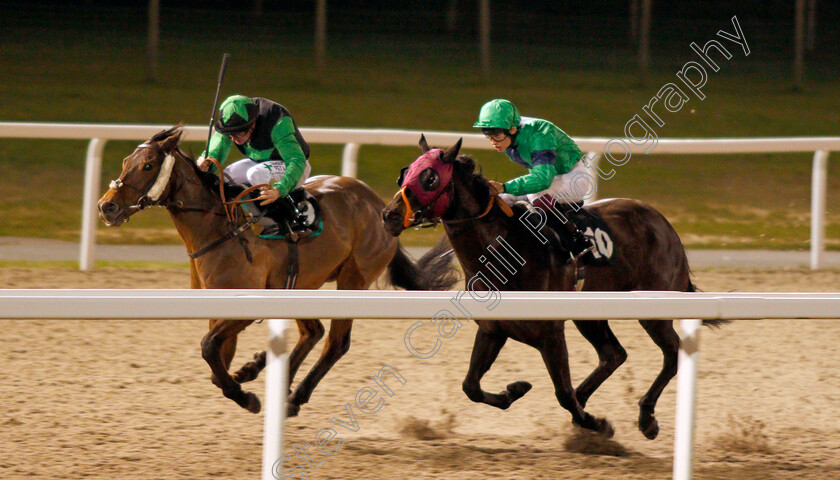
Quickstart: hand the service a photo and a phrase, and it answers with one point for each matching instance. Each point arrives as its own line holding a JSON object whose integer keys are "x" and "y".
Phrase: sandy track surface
{"x": 133, "y": 400}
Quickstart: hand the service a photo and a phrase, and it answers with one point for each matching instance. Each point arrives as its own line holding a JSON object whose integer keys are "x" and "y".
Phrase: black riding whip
{"x": 225, "y": 58}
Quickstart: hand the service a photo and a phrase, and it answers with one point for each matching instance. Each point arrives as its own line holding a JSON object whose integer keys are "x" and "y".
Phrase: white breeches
{"x": 249, "y": 172}
{"x": 574, "y": 186}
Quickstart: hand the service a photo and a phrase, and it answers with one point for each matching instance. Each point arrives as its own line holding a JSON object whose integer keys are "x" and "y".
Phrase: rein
{"x": 494, "y": 200}
{"x": 418, "y": 219}
{"x": 294, "y": 256}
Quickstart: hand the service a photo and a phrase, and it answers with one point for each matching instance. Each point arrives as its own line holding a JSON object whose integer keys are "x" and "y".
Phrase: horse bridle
{"x": 152, "y": 195}
{"x": 418, "y": 218}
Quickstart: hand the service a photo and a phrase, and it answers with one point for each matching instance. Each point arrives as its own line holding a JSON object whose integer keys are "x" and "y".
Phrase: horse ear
{"x": 173, "y": 140}
{"x": 424, "y": 147}
{"x": 451, "y": 153}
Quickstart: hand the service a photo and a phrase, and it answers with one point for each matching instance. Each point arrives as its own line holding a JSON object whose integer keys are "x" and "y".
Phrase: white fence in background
{"x": 47, "y": 303}
{"x": 353, "y": 138}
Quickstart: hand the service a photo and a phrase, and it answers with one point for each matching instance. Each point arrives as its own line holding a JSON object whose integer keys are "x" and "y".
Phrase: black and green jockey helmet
{"x": 498, "y": 113}
{"x": 236, "y": 114}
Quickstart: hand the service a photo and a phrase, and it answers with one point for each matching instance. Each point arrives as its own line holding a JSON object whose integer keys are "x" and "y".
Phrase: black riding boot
{"x": 573, "y": 238}
{"x": 284, "y": 214}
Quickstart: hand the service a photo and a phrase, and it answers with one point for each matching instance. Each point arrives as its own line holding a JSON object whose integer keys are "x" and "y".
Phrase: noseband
{"x": 419, "y": 218}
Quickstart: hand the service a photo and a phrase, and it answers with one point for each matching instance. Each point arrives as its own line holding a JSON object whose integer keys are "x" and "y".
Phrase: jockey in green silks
{"x": 553, "y": 161}
{"x": 277, "y": 154}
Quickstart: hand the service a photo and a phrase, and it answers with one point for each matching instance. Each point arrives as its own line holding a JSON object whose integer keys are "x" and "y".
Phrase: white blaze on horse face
{"x": 162, "y": 179}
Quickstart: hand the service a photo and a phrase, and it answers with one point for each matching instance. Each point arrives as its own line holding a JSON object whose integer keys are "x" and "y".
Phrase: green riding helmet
{"x": 498, "y": 113}
{"x": 236, "y": 114}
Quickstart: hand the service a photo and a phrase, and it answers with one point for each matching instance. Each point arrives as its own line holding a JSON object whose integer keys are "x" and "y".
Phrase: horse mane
{"x": 209, "y": 179}
{"x": 478, "y": 183}
{"x": 466, "y": 167}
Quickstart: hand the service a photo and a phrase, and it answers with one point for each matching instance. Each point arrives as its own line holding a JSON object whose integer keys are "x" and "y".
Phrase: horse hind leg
{"x": 211, "y": 350}
{"x": 556, "y": 359}
{"x": 486, "y": 348}
{"x": 610, "y": 356}
{"x": 662, "y": 333}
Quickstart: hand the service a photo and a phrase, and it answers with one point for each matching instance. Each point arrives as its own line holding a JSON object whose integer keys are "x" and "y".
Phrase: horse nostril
{"x": 108, "y": 207}
{"x": 391, "y": 217}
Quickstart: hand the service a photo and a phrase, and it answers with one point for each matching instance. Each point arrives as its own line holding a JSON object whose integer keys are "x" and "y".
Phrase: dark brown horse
{"x": 648, "y": 255}
{"x": 353, "y": 250}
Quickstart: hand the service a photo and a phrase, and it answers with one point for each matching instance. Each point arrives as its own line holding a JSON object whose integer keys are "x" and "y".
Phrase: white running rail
{"x": 52, "y": 303}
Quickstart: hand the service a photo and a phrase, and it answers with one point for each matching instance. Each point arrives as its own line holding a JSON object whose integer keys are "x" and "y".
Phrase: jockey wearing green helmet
{"x": 276, "y": 153}
{"x": 550, "y": 155}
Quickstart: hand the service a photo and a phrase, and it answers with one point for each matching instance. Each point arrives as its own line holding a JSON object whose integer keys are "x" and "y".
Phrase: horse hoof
{"x": 292, "y": 410}
{"x": 606, "y": 429}
{"x": 517, "y": 390}
{"x": 253, "y": 403}
{"x": 651, "y": 430}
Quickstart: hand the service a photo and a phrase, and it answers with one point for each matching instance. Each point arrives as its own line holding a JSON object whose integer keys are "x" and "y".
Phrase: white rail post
{"x": 276, "y": 379}
{"x": 819, "y": 174}
{"x": 686, "y": 396}
{"x": 350, "y": 160}
{"x": 93, "y": 174}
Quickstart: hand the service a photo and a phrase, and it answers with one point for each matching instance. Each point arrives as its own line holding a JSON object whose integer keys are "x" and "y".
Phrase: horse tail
{"x": 692, "y": 287}
{"x": 432, "y": 272}
{"x": 707, "y": 323}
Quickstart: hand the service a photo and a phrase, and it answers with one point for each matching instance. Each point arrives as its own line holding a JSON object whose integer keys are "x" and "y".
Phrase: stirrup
{"x": 271, "y": 231}
{"x": 291, "y": 236}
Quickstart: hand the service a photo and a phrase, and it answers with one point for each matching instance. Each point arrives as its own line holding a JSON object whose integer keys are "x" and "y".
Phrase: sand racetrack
{"x": 133, "y": 400}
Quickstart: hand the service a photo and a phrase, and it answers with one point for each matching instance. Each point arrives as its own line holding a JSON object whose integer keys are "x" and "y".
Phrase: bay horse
{"x": 353, "y": 250}
{"x": 648, "y": 255}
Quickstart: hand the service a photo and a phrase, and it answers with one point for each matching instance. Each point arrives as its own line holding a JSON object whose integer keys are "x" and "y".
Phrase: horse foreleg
{"x": 662, "y": 333}
{"x": 556, "y": 359}
{"x": 251, "y": 370}
{"x": 486, "y": 348}
{"x": 311, "y": 331}
{"x": 336, "y": 345}
{"x": 212, "y": 347}
{"x": 610, "y": 356}
{"x": 226, "y": 351}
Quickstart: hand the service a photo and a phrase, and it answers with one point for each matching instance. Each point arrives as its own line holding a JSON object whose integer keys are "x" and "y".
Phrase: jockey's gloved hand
{"x": 268, "y": 195}
{"x": 204, "y": 164}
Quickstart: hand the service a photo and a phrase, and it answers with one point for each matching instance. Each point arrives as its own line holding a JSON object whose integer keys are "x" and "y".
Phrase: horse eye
{"x": 429, "y": 179}
{"x": 147, "y": 166}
